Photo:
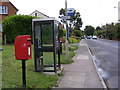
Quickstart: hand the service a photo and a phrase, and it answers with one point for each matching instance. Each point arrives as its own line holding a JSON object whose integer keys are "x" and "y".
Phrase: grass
{"x": 11, "y": 70}
{"x": 0, "y": 61}
{"x": 0, "y": 41}
{"x": 71, "y": 54}
{"x": 73, "y": 47}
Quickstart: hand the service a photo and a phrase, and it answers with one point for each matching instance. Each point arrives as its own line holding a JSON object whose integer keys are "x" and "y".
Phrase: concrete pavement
{"x": 82, "y": 73}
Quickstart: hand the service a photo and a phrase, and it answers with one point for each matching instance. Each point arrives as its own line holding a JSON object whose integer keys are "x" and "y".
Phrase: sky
{"x": 93, "y": 12}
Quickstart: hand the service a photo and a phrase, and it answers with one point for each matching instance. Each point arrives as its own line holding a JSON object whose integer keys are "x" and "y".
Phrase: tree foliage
{"x": 110, "y": 31}
{"x": 98, "y": 28}
{"x": 77, "y": 33}
{"x": 17, "y": 25}
{"x": 89, "y": 30}
{"x": 61, "y": 32}
{"x": 62, "y": 12}
{"x": 75, "y": 19}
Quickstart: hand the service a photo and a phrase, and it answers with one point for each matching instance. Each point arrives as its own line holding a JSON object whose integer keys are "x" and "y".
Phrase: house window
{"x": 3, "y": 10}
{"x": 35, "y": 14}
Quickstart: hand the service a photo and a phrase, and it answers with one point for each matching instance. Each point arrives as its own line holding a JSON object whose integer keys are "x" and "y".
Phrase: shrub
{"x": 73, "y": 40}
{"x": 17, "y": 25}
{"x": 77, "y": 33}
{"x": 110, "y": 32}
{"x": 64, "y": 32}
{"x": 73, "y": 47}
{"x": 61, "y": 33}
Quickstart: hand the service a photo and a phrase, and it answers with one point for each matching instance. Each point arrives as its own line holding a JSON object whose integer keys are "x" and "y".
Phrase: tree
{"x": 110, "y": 31}
{"x": 89, "y": 30}
{"x": 62, "y": 12}
{"x": 98, "y": 28}
{"x": 76, "y": 20}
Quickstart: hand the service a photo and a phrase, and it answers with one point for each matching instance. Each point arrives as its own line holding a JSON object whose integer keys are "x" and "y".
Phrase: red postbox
{"x": 23, "y": 47}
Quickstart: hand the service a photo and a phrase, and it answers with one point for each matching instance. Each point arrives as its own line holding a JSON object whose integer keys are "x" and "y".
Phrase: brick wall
{"x": 11, "y": 10}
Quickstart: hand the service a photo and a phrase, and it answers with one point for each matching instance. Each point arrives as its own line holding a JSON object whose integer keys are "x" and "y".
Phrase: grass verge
{"x": 11, "y": 71}
{"x": 0, "y": 41}
{"x": 71, "y": 54}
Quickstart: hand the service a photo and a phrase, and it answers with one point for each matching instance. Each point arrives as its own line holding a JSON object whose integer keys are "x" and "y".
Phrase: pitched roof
{"x": 40, "y": 13}
{"x": 13, "y": 6}
{"x": 9, "y": 2}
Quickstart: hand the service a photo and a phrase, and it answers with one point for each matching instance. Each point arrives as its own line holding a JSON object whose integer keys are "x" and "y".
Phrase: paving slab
{"x": 81, "y": 73}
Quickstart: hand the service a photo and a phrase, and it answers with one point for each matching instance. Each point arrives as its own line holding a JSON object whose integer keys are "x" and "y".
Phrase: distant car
{"x": 94, "y": 37}
{"x": 89, "y": 37}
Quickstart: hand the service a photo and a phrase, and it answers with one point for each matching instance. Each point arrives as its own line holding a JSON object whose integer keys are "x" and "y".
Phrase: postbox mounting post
{"x": 24, "y": 73}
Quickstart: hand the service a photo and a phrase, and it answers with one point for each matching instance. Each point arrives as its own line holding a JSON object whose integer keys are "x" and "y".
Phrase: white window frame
{"x": 3, "y": 10}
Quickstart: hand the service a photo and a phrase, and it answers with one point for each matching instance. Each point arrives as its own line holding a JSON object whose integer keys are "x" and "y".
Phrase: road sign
{"x": 70, "y": 11}
{"x": 65, "y": 17}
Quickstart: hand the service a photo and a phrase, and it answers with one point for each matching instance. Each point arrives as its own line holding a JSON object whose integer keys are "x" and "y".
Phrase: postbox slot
{"x": 28, "y": 39}
{"x": 29, "y": 44}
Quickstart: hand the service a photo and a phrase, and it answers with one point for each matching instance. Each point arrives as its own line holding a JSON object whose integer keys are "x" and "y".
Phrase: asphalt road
{"x": 105, "y": 54}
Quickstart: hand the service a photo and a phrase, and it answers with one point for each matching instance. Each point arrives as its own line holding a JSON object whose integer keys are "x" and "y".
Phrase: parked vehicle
{"x": 94, "y": 37}
{"x": 89, "y": 37}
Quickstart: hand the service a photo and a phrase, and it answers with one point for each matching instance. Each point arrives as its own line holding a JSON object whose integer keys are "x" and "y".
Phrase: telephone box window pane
{"x": 48, "y": 58}
{"x": 37, "y": 35}
{"x": 47, "y": 36}
{"x": 56, "y": 35}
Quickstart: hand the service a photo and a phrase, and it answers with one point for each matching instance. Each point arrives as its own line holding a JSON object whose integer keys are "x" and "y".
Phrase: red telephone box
{"x": 23, "y": 47}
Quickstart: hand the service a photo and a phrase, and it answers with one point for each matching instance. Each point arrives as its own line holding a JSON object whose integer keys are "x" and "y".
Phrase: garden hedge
{"x": 17, "y": 25}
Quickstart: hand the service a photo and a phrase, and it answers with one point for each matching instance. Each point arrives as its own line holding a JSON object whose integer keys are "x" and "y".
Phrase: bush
{"x": 73, "y": 40}
{"x": 61, "y": 33}
{"x": 73, "y": 47}
{"x": 110, "y": 32}
{"x": 17, "y": 25}
{"x": 64, "y": 32}
{"x": 77, "y": 33}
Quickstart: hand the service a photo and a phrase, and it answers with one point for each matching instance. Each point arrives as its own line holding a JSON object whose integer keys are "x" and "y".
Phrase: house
{"x": 36, "y": 13}
{"x": 6, "y": 9}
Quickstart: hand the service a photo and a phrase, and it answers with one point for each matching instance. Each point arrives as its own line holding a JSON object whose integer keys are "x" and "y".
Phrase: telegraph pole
{"x": 66, "y": 43}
